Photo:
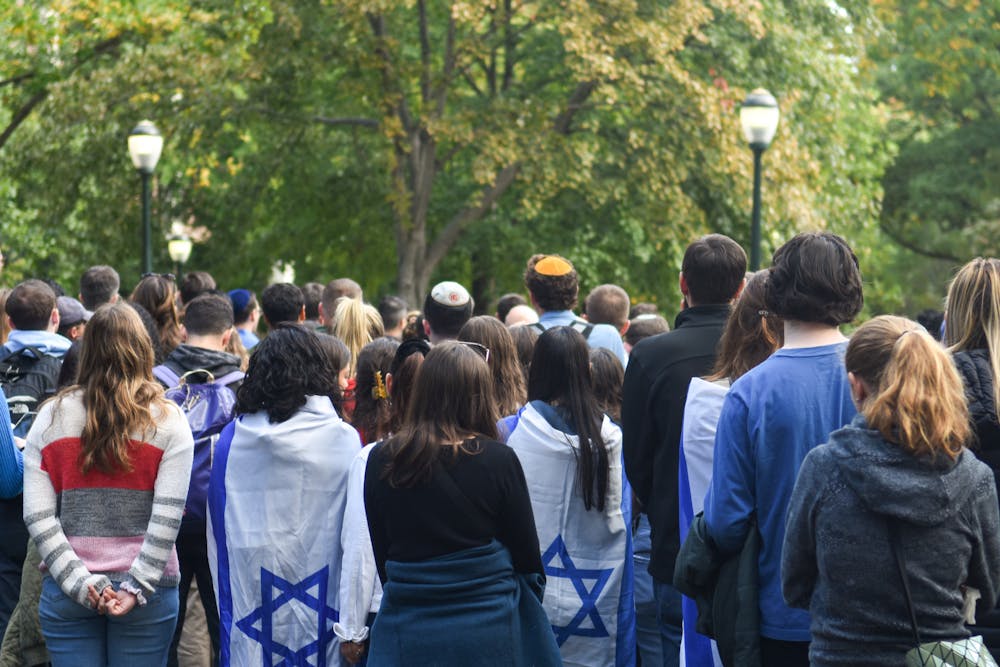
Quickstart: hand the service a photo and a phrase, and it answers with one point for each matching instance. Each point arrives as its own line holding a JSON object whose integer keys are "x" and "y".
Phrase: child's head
{"x": 607, "y": 374}
{"x": 815, "y": 278}
{"x": 371, "y": 411}
{"x": 340, "y": 357}
{"x": 906, "y": 386}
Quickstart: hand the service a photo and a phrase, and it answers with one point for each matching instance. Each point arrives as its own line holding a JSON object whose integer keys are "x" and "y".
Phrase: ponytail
{"x": 917, "y": 400}
{"x": 357, "y": 324}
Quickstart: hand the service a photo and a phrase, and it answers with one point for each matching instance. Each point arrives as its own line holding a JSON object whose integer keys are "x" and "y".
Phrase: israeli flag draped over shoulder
{"x": 276, "y": 503}
{"x": 587, "y": 554}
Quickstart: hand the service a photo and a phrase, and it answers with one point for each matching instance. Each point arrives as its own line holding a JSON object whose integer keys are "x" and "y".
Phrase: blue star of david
{"x": 588, "y": 608}
{"x": 264, "y": 615}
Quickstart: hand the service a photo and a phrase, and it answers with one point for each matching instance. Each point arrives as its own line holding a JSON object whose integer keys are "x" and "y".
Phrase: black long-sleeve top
{"x": 420, "y": 522}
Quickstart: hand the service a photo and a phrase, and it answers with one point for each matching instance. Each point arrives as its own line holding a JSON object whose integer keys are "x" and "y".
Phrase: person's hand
{"x": 117, "y": 603}
{"x": 352, "y": 652}
{"x": 94, "y": 598}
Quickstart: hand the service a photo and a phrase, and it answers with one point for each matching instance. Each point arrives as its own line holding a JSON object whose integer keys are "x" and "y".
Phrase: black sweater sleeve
{"x": 516, "y": 520}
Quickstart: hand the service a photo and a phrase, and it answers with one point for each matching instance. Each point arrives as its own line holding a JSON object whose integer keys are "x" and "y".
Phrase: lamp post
{"x": 759, "y": 120}
{"x": 179, "y": 247}
{"x": 144, "y": 146}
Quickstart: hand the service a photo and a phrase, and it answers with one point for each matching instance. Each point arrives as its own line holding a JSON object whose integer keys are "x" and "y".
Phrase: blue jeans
{"x": 669, "y": 617}
{"x": 76, "y": 635}
{"x": 647, "y": 628}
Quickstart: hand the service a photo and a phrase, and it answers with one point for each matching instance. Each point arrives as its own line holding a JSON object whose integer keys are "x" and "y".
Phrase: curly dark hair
{"x": 815, "y": 277}
{"x": 552, "y": 292}
{"x": 286, "y": 367}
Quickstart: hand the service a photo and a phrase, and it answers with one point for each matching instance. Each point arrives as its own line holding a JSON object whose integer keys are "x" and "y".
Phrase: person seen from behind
{"x": 106, "y": 473}
{"x": 893, "y": 497}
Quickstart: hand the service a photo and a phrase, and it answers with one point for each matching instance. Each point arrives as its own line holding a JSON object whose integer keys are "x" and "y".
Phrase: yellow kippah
{"x": 553, "y": 266}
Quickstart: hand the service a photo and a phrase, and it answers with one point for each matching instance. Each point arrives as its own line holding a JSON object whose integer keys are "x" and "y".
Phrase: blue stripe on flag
{"x": 217, "y": 510}
{"x": 625, "y": 645}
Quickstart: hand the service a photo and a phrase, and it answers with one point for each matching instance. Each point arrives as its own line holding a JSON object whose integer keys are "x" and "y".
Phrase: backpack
{"x": 582, "y": 326}
{"x": 27, "y": 379}
{"x": 209, "y": 407}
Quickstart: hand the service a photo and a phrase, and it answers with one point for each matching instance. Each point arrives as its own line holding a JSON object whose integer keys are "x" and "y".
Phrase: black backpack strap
{"x": 537, "y": 326}
{"x": 584, "y": 328}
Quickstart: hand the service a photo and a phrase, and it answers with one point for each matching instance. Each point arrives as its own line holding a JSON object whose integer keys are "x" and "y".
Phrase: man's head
{"x": 334, "y": 290}
{"x": 31, "y": 306}
{"x": 607, "y": 304}
{"x": 393, "y": 311}
{"x": 552, "y": 282}
{"x": 194, "y": 284}
{"x": 99, "y": 285}
{"x": 73, "y": 317}
{"x": 244, "y": 306}
{"x": 521, "y": 314}
{"x": 712, "y": 271}
{"x": 815, "y": 278}
{"x": 508, "y": 301}
{"x": 446, "y": 310}
{"x": 282, "y": 302}
{"x": 208, "y": 321}
{"x": 313, "y": 294}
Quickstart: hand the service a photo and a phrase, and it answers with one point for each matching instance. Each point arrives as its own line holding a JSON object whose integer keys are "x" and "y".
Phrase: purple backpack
{"x": 209, "y": 406}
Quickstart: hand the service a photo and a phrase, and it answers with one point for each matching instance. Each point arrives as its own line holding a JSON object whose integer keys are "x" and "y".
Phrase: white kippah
{"x": 450, "y": 293}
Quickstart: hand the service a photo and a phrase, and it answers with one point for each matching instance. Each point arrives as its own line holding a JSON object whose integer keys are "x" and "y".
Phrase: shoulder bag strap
{"x": 901, "y": 566}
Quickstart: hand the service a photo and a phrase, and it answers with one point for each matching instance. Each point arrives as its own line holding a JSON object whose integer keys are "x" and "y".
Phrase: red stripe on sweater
{"x": 61, "y": 460}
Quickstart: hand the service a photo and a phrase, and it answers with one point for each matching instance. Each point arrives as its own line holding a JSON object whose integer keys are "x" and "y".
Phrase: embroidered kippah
{"x": 553, "y": 266}
{"x": 450, "y": 293}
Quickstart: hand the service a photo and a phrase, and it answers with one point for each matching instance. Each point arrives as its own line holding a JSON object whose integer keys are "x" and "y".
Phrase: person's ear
{"x": 302, "y": 314}
{"x": 739, "y": 290}
{"x": 322, "y": 315}
{"x": 628, "y": 323}
{"x": 859, "y": 390}
{"x": 184, "y": 333}
{"x": 683, "y": 284}
{"x": 226, "y": 336}
{"x": 427, "y": 328}
{"x": 388, "y": 384}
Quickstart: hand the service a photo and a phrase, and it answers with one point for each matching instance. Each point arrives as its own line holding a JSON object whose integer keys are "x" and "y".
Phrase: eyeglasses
{"x": 482, "y": 350}
{"x": 169, "y": 277}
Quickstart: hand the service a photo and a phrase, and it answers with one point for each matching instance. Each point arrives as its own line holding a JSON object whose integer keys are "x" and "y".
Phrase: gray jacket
{"x": 837, "y": 563}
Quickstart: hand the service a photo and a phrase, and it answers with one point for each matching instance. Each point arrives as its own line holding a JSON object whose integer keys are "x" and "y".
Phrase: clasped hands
{"x": 111, "y": 602}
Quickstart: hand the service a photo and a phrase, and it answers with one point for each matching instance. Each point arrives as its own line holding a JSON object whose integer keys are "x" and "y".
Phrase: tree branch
{"x": 377, "y": 22}
{"x": 896, "y": 236}
{"x": 575, "y": 102}
{"x": 364, "y": 122}
{"x": 425, "y": 53}
{"x": 447, "y": 236}
{"x": 14, "y": 80}
{"x": 22, "y": 114}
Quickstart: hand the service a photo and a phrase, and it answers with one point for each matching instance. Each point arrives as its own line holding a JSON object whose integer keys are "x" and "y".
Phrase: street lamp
{"x": 144, "y": 146}
{"x": 179, "y": 247}
{"x": 759, "y": 120}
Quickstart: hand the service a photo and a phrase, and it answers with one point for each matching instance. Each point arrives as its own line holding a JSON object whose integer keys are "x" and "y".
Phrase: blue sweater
{"x": 772, "y": 417}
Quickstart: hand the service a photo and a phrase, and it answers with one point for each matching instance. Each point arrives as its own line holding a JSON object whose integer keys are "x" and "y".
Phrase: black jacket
{"x": 656, "y": 385}
{"x": 725, "y": 590}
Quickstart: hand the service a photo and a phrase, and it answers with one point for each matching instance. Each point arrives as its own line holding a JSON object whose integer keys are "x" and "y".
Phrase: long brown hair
{"x": 452, "y": 402}
{"x": 510, "y": 388}
{"x": 751, "y": 335}
{"x": 917, "y": 400}
{"x": 158, "y": 295}
{"x": 119, "y": 392}
{"x": 972, "y": 314}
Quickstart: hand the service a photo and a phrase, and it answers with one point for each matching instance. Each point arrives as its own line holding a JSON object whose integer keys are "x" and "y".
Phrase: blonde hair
{"x": 917, "y": 400}
{"x": 357, "y": 324}
{"x": 119, "y": 392}
{"x": 972, "y": 314}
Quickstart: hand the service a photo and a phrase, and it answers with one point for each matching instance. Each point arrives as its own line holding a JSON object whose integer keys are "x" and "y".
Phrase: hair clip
{"x": 378, "y": 391}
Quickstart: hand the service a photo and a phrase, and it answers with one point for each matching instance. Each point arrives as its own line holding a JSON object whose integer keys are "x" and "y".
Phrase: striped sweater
{"x": 98, "y": 528}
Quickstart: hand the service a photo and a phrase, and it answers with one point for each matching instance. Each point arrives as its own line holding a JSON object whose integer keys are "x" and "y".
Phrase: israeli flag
{"x": 275, "y": 507}
{"x": 587, "y": 555}
{"x": 701, "y": 417}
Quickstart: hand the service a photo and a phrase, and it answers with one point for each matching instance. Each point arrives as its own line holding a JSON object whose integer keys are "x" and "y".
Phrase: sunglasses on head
{"x": 166, "y": 276}
{"x": 482, "y": 350}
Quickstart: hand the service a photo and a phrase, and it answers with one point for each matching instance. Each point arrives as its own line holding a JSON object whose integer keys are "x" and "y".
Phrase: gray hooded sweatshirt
{"x": 837, "y": 563}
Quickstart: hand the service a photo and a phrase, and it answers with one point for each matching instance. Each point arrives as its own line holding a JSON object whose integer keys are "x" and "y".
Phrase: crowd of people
{"x": 194, "y": 476}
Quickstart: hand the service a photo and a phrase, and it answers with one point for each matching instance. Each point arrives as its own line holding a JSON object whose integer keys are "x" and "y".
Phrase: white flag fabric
{"x": 587, "y": 555}
{"x": 276, "y": 504}
{"x": 701, "y": 417}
